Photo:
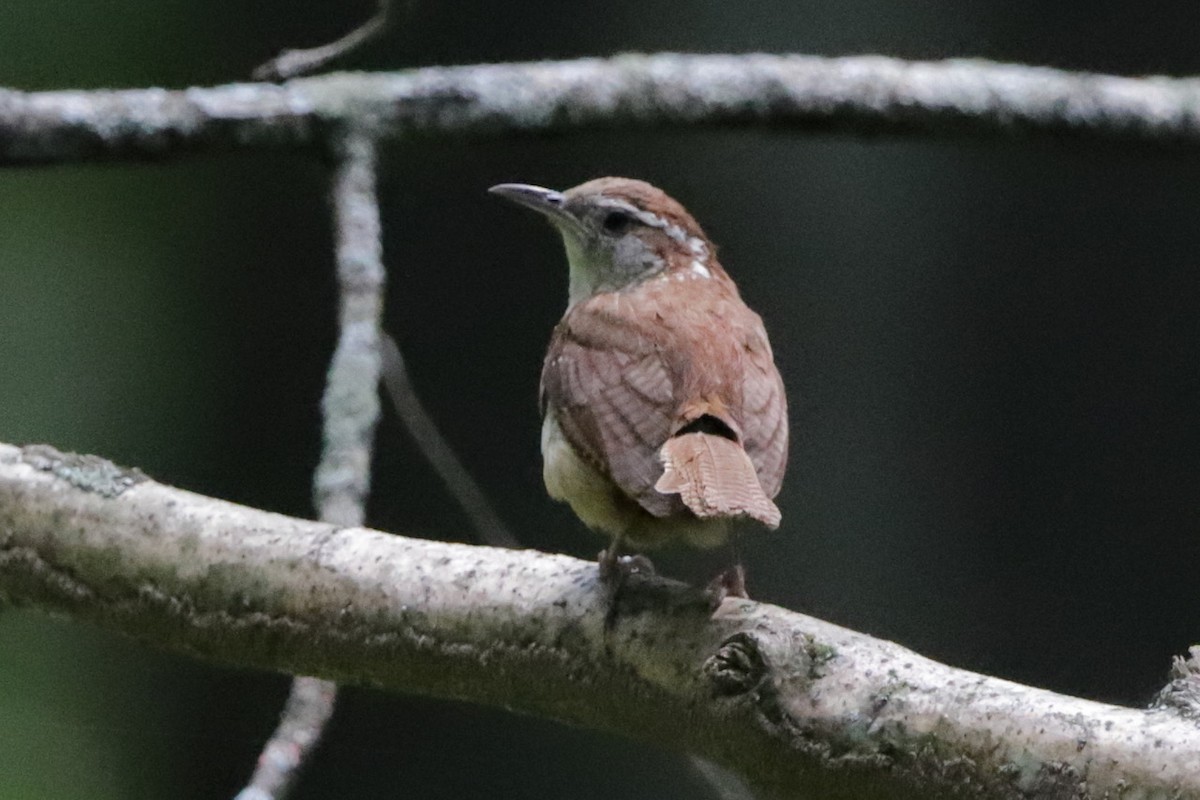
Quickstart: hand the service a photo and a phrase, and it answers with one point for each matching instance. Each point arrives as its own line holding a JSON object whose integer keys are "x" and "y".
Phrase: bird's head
{"x": 618, "y": 232}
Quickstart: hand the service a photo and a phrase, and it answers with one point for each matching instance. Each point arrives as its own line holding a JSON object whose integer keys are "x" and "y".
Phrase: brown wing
{"x": 764, "y": 411}
{"x": 613, "y": 396}
{"x": 724, "y": 368}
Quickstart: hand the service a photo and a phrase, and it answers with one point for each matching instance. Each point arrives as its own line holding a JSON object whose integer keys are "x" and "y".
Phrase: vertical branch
{"x": 351, "y": 402}
{"x": 350, "y": 408}
{"x": 308, "y": 708}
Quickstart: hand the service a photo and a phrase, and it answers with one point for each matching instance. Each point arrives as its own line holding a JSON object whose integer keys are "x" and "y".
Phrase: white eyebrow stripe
{"x": 645, "y": 217}
{"x": 695, "y": 244}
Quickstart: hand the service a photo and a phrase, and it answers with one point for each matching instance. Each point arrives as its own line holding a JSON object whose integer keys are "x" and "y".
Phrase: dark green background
{"x": 991, "y": 351}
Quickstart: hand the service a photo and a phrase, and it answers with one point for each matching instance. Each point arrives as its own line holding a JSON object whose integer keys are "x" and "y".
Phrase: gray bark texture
{"x": 859, "y": 94}
{"x": 799, "y": 707}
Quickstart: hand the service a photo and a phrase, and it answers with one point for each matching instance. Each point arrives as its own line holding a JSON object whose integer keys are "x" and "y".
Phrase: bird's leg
{"x": 615, "y": 571}
{"x": 730, "y": 582}
{"x": 609, "y": 559}
{"x": 613, "y": 577}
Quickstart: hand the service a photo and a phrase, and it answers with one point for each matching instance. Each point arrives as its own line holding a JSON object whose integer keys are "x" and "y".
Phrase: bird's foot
{"x": 729, "y": 583}
{"x": 614, "y": 569}
{"x": 615, "y": 572}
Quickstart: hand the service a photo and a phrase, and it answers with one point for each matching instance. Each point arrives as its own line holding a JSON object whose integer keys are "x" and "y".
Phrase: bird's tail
{"x": 714, "y": 477}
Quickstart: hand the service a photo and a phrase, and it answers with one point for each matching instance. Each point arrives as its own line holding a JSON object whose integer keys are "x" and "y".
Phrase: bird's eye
{"x": 616, "y": 221}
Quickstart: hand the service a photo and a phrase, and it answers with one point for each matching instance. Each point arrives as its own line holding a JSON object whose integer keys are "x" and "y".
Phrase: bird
{"x": 664, "y": 418}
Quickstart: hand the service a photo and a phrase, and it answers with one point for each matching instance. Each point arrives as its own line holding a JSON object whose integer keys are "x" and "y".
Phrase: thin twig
{"x": 351, "y": 411}
{"x": 859, "y": 94}
{"x": 292, "y": 63}
{"x": 441, "y": 456}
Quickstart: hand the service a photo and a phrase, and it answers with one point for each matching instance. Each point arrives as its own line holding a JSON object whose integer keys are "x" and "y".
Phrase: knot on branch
{"x": 90, "y": 473}
{"x": 737, "y": 667}
{"x": 1182, "y": 693}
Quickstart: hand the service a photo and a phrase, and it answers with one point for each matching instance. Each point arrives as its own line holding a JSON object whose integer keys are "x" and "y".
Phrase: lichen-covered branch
{"x": 800, "y": 707}
{"x": 350, "y": 407}
{"x": 866, "y": 94}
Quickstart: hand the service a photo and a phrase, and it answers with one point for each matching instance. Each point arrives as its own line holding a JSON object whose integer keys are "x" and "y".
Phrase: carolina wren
{"x": 664, "y": 418}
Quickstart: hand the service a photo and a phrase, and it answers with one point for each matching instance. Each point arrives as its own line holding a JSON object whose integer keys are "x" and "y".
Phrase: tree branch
{"x": 799, "y": 706}
{"x": 866, "y": 94}
{"x": 350, "y": 407}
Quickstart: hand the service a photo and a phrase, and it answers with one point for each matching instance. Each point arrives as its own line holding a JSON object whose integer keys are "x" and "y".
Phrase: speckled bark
{"x": 800, "y": 707}
{"x": 866, "y": 94}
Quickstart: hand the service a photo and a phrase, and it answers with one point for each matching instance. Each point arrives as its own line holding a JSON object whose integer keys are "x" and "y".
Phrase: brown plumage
{"x": 714, "y": 477}
{"x": 665, "y": 417}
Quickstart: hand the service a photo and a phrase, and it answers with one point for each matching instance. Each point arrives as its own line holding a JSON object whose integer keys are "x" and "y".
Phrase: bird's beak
{"x": 547, "y": 202}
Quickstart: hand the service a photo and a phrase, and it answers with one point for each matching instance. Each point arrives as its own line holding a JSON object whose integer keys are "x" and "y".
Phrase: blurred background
{"x": 991, "y": 351}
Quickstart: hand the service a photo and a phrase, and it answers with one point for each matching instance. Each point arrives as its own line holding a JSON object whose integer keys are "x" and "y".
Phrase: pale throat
{"x": 584, "y": 275}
